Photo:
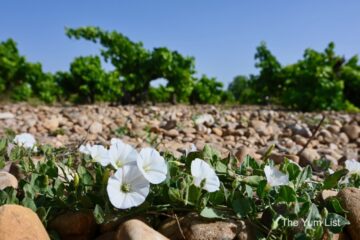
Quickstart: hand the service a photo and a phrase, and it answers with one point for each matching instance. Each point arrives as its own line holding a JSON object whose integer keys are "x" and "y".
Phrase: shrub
{"x": 160, "y": 94}
{"x": 207, "y": 90}
{"x": 139, "y": 66}
{"x": 22, "y": 79}
{"x": 87, "y": 82}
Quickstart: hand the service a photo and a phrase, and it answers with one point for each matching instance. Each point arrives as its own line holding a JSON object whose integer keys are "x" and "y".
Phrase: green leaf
{"x": 335, "y": 222}
{"x": 99, "y": 214}
{"x": 29, "y": 203}
{"x": 261, "y": 189}
{"x": 175, "y": 195}
{"x": 335, "y": 204}
{"x": 209, "y": 153}
{"x": 212, "y": 213}
{"x": 253, "y": 180}
{"x": 194, "y": 194}
{"x": 248, "y": 164}
{"x": 305, "y": 174}
{"x": 242, "y": 206}
{"x": 3, "y": 144}
{"x": 332, "y": 180}
{"x": 221, "y": 167}
{"x": 286, "y": 194}
{"x": 42, "y": 213}
{"x": 292, "y": 169}
{"x": 84, "y": 175}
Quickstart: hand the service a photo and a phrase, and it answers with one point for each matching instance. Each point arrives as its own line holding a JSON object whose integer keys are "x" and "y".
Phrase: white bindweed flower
{"x": 121, "y": 154}
{"x": 97, "y": 152}
{"x": 127, "y": 187}
{"x": 152, "y": 165}
{"x": 274, "y": 177}
{"x": 25, "y": 140}
{"x": 202, "y": 171}
{"x": 353, "y": 166}
{"x": 190, "y": 149}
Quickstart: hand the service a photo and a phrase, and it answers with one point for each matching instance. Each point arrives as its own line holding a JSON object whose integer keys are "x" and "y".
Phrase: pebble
{"x": 17, "y": 222}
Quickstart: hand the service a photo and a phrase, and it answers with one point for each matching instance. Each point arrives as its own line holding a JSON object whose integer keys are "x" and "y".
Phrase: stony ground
{"x": 240, "y": 130}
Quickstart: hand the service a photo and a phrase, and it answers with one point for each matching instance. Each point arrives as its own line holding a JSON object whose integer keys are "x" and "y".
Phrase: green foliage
{"x": 21, "y": 79}
{"x": 269, "y": 81}
{"x": 242, "y": 90}
{"x": 313, "y": 83}
{"x": 319, "y": 81}
{"x": 351, "y": 75}
{"x": 139, "y": 66}
{"x": 66, "y": 180}
{"x": 207, "y": 90}
{"x": 87, "y": 82}
{"x": 160, "y": 94}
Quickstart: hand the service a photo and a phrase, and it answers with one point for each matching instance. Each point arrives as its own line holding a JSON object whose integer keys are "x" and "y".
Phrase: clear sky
{"x": 222, "y": 35}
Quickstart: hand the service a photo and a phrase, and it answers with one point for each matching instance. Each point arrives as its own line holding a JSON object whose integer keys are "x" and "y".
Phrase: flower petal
{"x": 201, "y": 170}
{"x": 274, "y": 177}
{"x": 139, "y": 187}
{"x": 152, "y": 165}
{"x": 121, "y": 154}
{"x": 25, "y": 140}
{"x": 353, "y": 166}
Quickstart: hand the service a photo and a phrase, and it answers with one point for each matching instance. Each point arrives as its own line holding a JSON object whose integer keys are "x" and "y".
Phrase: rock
{"x": 279, "y": 158}
{"x": 352, "y": 131}
{"x": 172, "y": 133}
{"x": 95, "y": 128}
{"x": 6, "y": 115}
{"x": 350, "y": 200}
{"x": 51, "y": 124}
{"x": 7, "y": 180}
{"x": 246, "y": 231}
{"x": 217, "y": 131}
{"x": 300, "y": 130}
{"x": 334, "y": 129}
{"x": 325, "y": 194}
{"x": 17, "y": 222}
{"x": 205, "y": 119}
{"x": 74, "y": 225}
{"x": 300, "y": 140}
{"x": 188, "y": 130}
{"x": 137, "y": 230}
{"x": 243, "y": 152}
{"x": 198, "y": 228}
{"x": 308, "y": 156}
{"x": 343, "y": 138}
{"x": 169, "y": 125}
{"x": 261, "y": 127}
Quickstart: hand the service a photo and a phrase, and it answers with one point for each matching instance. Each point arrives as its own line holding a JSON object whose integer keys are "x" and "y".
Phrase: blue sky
{"x": 222, "y": 35}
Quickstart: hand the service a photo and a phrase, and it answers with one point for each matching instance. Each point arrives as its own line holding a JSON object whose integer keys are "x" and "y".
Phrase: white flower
{"x": 152, "y": 165}
{"x": 274, "y": 177}
{"x": 97, "y": 152}
{"x": 190, "y": 149}
{"x": 202, "y": 171}
{"x": 25, "y": 140}
{"x": 127, "y": 187}
{"x": 121, "y": 154}
{"x": 353, "y": 166}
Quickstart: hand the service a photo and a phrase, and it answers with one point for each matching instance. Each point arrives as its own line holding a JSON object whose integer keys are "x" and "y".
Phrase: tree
{"x": 207, "y": 90}
{"x": 87, "y": 82}
{"x": 138, "y": 66}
